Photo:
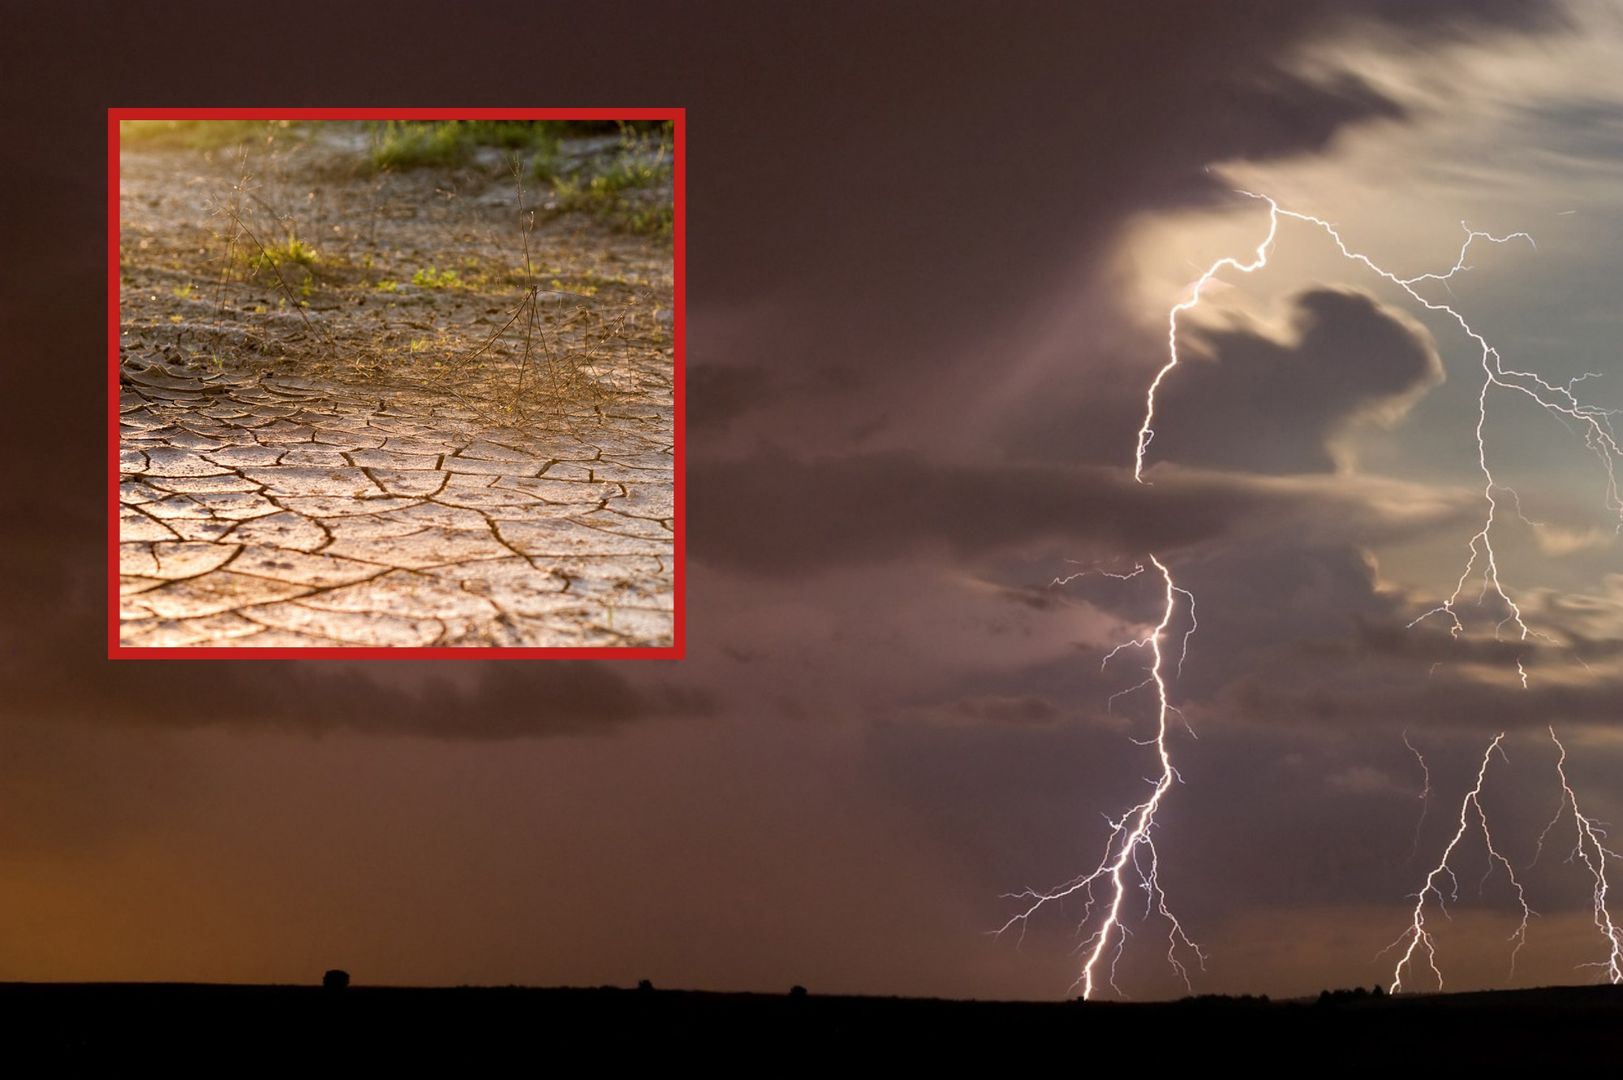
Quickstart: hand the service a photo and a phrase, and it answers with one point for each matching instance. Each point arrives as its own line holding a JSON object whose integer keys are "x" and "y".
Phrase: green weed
{"x": 202, "y": 134}
{"x": 631, "y": 193}
{"x": 432, "y": 278}
{"x": 404, "y": 144}
{"x": 291, "y": 252}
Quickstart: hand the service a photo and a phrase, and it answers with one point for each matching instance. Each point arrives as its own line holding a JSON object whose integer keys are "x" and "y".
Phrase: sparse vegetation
{"x": 514, "y": 339}
{"x": 204, "y": 134}
{"x": 433, "y": 278}
{"x": 608, "y": 197}
{"x": 632, "y": 192}
{"x": 628, "y": 188}
{"x": 405, "y": 144}
{"x": 543, "y": 371}
{"x": 290, "y": 252}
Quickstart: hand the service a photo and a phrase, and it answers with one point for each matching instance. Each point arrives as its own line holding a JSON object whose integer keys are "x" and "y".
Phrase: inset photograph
{"x": 396, "y": 384}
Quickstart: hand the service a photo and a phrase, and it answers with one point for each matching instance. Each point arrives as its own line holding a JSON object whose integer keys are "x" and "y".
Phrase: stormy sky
{"x": 932, "y": 248}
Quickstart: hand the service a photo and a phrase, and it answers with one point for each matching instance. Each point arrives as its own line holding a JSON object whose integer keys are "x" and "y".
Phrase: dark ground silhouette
{"x": 237, "y": 1027}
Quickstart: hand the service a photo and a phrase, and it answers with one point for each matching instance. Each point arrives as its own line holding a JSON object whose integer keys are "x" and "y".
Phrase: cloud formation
{"x": 432, "y": 699}
{"x": 778, "y": 514}
{"x": 1253, "y": 399}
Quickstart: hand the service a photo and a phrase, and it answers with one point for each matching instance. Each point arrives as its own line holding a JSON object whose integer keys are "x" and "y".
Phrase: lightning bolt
{"x": 1425, "y": 794}
{"x": 1146, "y": 430}
{"x": 1132, "y": 831}
{"x": 1417, "y": 938}
{"x": 1558, "y": 400}
{"x": 1130, "y": 848}
{"x": 1590, "y": 847}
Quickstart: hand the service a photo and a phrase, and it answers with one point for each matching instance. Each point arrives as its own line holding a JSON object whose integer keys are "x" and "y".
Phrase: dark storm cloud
{"x": 1246, "y": 400}
{"x": 778, "y": 514}
{"x": 1297, "y": 629}
{"x": 1326, "y": 659}
{"x": 1334, "y": 648}
{"x": 493, "y": 701}
{"x": 1429, "y": 644}
{"x": 891, "y": 178}
{"x": 982, "y": 167}
{"x": 1565, "y": 627}
{"x": 1448, "y": 698}
{"x": 775, "y": 513}
{"x": 1007, "y": 709}
{"x": 719, "y": 395}
{"x": 970, "y": 137}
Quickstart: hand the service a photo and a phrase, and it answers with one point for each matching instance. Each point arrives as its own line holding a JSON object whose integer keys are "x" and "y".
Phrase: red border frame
{"x": 676, "y": 651}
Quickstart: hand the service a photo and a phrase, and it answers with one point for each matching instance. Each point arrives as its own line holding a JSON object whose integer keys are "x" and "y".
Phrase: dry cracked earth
{"x": 265, "y": 507}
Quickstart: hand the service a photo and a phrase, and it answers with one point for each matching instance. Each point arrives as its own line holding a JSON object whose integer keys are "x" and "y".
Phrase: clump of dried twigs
{"x": 546, "y": 378}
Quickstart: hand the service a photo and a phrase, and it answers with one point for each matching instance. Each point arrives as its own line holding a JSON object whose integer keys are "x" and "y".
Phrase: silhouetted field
{"x": 233, "y": 1029}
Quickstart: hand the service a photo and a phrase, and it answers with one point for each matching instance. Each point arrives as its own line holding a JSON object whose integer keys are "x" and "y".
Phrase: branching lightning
{"x": 1130, "y": 842}
{"x": 1559, "y": 400}
{"x": 1590, "y": 847}
{"x": 1130, "y": 850}
{"x": 1417, "y": 938}
{"x": 1130, "y": 837}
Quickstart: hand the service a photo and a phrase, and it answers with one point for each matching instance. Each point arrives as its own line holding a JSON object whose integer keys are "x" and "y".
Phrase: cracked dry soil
{"x": 314, "y": 480}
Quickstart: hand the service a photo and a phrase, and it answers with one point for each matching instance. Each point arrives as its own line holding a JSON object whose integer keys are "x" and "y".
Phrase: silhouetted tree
{"x": 336, "y": 979}
{"x": 797, "y": 991}
{"x": 644, "y": 984}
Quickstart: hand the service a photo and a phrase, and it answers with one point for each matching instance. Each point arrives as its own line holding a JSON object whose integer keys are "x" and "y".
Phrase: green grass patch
{"x": 631, "y": 191}
{"x": 629, "y": 197}
{"x": 400, "y": 144}
{"x": 202, "y": 134}
{"x": 291, "y": 252}
{"x": 431, "y": 278}
{"x": 406, "y": 144}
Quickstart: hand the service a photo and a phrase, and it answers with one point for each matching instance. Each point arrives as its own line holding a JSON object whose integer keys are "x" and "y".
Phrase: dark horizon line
{"x": 1599, "y": 989}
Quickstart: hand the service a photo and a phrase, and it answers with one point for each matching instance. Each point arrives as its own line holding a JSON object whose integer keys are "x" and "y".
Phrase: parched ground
{"x": 399, "y": 434}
